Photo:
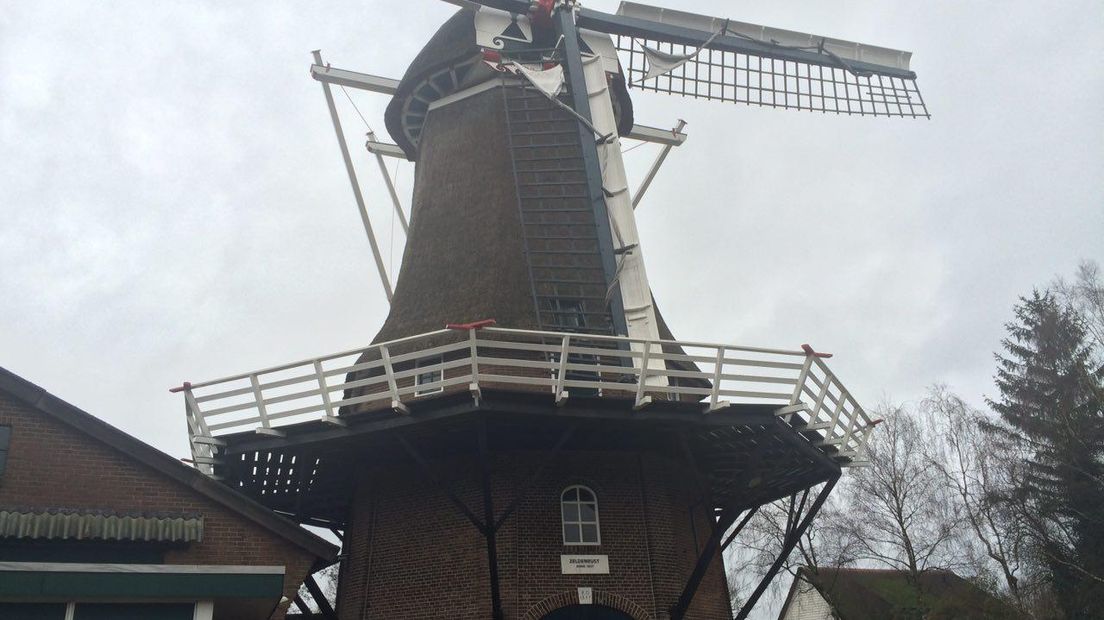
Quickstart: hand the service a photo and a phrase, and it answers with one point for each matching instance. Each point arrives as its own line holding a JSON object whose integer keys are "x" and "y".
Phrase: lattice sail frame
{"x": 757, "y": 80}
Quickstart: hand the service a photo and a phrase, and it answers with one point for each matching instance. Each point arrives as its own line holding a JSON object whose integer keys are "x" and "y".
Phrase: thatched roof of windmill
{"x": 464, "y": 259}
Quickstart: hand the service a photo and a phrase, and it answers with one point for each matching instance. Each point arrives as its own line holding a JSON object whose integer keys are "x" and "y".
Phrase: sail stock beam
{"x": 688, "y": 29}
{"x": 564, "y": 19}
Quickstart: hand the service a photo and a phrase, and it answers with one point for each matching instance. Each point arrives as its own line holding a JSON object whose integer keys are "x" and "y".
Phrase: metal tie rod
{"x": 387, "y": 179}
{"x": 353, "y": 180}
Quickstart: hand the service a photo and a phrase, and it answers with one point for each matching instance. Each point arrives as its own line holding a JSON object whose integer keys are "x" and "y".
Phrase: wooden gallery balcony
{"x": 249, "y": 429}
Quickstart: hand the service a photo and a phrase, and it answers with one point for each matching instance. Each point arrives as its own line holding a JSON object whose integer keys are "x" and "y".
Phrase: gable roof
{"x": 84, "y": 422}
{"x": 877, "y": 594}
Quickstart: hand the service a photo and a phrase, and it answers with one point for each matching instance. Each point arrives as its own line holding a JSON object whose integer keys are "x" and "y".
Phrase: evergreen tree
{"x": 1052, "y": 407}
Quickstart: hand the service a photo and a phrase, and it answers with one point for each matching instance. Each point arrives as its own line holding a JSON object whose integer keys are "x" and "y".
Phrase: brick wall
{"x": 52, "y": 465}
{"x": 411, "y": 553}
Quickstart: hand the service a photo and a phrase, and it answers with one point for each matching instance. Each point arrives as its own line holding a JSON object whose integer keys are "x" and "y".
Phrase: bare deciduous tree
{"x": 1086, "y": 294}
{"x": 1011, "y": 503}
{"x": 976, "y": 472}
{"x": 757, "y": 547}
{"x": 900, "y": 513}
{"x": 897, "y": 512}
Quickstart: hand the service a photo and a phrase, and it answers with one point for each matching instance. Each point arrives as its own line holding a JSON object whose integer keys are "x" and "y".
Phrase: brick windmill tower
{"x": 525, "y": 438}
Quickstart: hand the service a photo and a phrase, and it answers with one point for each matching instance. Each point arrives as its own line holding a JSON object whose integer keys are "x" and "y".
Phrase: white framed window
{"x": 579, "y": 514}
{"x": 428, "y": 377}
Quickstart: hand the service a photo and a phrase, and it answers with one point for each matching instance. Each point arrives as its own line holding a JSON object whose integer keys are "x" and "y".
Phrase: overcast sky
{"x": 174, "y": 205}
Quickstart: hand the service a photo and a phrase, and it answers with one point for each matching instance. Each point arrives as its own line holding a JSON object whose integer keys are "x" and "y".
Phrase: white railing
{"x": 393, "y": 374}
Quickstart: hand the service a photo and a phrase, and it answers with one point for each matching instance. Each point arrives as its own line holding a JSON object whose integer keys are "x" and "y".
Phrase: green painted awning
{"x": 38, "y": 581}
{"x": 93, "y": 525}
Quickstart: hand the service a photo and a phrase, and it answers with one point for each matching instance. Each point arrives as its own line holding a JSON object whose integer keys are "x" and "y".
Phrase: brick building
{"x": 96, "y": 524}
{"x": 408, "y": 539}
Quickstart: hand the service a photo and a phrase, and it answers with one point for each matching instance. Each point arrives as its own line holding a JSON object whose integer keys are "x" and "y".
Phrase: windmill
{"x": 555, "y": 386}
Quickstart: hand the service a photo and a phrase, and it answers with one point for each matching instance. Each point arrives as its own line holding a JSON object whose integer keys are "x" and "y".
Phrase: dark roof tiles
{"x": 879, "y": 594}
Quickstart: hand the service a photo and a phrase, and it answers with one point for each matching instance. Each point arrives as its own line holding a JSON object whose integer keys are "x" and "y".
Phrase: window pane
{"x": 424, "y": 378}
{"x": 571, "y": 533}
{"x": 589, "y": 513}
{"x": 572, "y": 495}
{"x": 570, "y": 512}
{"x": 585, "y": 495}
{"x": 590, "y": 533}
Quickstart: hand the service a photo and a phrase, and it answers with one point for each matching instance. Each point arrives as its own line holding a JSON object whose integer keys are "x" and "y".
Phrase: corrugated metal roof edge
{"x": 63, "y": 524}
{"x": 47, "y": 403}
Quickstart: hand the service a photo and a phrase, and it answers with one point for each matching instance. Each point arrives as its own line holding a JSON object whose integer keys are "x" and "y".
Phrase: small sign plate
{"x": 584, "y": 564}
{"x": 586, "y": 596}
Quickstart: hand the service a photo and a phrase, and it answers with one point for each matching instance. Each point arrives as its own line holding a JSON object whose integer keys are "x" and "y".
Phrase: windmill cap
{"x": 451, "y": 62}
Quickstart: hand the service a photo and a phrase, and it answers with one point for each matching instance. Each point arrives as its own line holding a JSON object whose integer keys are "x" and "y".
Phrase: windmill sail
{"x": 662, "y": 63}
{"x": 548, "y": 81}
{"x": 681, "y": 53}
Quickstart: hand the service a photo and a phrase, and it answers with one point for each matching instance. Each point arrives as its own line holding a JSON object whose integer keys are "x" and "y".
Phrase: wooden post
{"x": 488, "y": 520}
{"x": 389, "y": 371}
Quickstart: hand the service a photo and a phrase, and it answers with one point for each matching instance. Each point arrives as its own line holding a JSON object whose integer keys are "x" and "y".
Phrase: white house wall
{"x": 808, "y": 604}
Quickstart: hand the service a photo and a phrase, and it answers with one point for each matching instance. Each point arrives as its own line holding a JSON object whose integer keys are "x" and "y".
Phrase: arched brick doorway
{"x": 607, "y": 606}
{"x": 587, "y": 612}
